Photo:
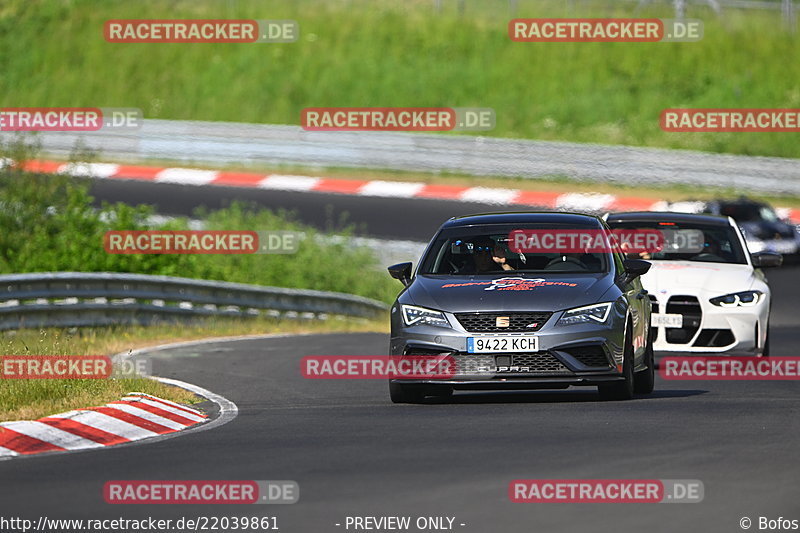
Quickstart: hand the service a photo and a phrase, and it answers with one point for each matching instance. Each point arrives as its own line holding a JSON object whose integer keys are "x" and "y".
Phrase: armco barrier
{"x": 66, "y": 299}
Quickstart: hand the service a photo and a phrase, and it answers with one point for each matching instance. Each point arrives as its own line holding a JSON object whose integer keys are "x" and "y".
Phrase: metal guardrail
{"x": 224, "y": 143}
{"x": 67, "y": 299}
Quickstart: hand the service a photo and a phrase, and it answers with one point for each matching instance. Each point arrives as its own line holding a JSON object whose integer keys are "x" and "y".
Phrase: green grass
{"x": 386, "y": 53}
{"x": 27, "y": 399}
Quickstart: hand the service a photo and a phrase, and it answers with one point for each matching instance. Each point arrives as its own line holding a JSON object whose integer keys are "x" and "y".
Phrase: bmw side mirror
{"x": 401, "y": 271}
{"x": 635, "y": 268}
{"x": 766, "y": 259}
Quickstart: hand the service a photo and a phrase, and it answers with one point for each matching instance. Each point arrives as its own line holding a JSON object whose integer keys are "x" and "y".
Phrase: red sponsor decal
{"x": 512, "y": 284}
{"x": 378, "y": 119}
{"x": 586, "y": 491}
{"x": 730, "y": 368}
{"x": 181, "y": 31}
{"x": 55, "y": 367}
{"x": 378, "y": 367}
{"x": 625, "y": 30}
{"x": 730, "y": 120}
{"x": 176, "y": 492}
{"x": 181, "y": 242}
{"x": 51, "y": 119}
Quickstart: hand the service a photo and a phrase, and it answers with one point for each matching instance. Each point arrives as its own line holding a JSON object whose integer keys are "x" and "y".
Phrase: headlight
{"x": 417, "y": 316}
{"x": 591, "y": 313}
{"x": 738, "y": 299}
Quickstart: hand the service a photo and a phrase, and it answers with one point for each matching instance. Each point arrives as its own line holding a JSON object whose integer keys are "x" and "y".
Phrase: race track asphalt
{"x": 386, "y": 218}
{"x": 354, "y": 453}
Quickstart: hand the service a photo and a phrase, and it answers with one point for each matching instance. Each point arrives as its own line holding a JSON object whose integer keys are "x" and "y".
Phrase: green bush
{"x": 48, "y": 224}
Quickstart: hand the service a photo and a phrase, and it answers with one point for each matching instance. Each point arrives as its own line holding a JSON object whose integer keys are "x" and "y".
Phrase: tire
{"x": 406, "y": 392}
{"x": 621, "y": 390}
{"x": 645, "y": 381}
{"x": 765, "y": 350}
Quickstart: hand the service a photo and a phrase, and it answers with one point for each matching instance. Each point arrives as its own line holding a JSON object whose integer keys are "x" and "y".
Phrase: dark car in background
{"x": 515, "y": 320}
{"x": 763, "y": 229}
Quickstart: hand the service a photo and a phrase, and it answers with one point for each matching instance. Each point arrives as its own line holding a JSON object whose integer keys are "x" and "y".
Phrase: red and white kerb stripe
{"x": 592, "y": 202}
{"x": 136, "y": 416}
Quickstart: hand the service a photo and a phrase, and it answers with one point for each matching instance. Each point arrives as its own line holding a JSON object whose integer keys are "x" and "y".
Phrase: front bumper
{"x": 712, "y": 329}
{"x": 574, "y": 355}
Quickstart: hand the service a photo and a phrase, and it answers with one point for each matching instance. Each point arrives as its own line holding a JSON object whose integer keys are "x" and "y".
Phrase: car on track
{"x": 517, "y": 320}
{"x": 762, "y": 227}
{"x": 713, "y": 298}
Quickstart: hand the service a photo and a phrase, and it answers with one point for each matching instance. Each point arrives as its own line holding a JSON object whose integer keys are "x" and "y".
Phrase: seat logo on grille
{"x": 532, "y": 325}
{"x": 502, "y": 321}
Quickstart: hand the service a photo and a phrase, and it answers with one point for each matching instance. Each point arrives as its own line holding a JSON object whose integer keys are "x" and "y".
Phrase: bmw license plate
{"x": 502, "y": 344}
{"x": 666, "y": 320}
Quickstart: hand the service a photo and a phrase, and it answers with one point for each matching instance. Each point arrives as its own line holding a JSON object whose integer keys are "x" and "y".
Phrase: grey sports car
{"x": 523, "y": 318}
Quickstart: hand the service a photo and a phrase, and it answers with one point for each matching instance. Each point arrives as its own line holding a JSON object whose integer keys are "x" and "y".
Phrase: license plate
{"x": 666, "y": 320}
{"x": 502, "y": 344}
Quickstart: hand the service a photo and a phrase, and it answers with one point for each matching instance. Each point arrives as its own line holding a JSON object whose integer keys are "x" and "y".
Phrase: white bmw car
{"x": 708, "y": 292}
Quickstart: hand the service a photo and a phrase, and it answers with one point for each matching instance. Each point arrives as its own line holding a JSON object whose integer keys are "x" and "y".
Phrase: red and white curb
{"x": 377, "y": 188}
{"x": 134, "y": 417}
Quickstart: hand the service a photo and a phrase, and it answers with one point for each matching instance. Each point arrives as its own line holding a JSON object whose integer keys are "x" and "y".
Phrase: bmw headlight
{"x": 591, "y": 313}
{"x": 738, "y": 299}
{"x": 418, "y": 316}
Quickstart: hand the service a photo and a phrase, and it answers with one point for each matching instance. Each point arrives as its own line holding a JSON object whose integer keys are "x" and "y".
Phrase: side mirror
{"x": 635, "y": 268}
{"x": 766, "y": 259}
{"x": 401, "y": 271}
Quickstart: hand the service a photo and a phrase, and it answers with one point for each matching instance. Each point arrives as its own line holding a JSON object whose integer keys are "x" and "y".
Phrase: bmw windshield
{"x": 690, "y": 242}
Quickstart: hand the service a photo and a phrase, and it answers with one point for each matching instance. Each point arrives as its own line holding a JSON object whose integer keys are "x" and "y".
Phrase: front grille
{"x": 715, "y": 338}
{"x": 591, "y": 356}
{"x": 474, "y": 364}
{"x": 517, "y": 322}
{"x": 482, "y": 364}
{"x": 689, "y": 307}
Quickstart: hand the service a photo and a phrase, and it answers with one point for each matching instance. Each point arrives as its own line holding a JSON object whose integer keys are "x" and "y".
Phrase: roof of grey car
{"x": 521, "y": 217}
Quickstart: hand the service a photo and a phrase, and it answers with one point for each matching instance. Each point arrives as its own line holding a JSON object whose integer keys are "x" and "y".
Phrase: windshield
{"x": 488, "y": 250}
{"x": 718, "y": 244}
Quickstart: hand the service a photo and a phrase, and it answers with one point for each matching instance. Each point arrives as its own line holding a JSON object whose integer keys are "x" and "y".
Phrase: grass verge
{"x": 376, "y": 53}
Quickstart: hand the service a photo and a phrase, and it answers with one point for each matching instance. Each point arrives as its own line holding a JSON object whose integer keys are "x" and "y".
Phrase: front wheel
{"x": 621, "y": 390}
{"x": 406, "y": 392}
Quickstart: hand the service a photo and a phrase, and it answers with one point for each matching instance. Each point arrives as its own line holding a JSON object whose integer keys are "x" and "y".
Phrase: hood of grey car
{"x": 528, "y": 292}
